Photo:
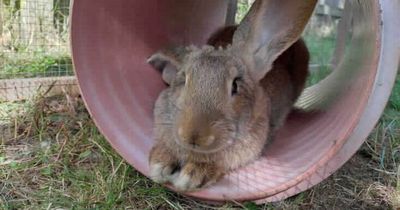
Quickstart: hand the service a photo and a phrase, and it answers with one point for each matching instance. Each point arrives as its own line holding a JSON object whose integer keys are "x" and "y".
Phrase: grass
{"x": 317, "y": 75}
{"x": 321, "y": 48}
{"x": 394, "y": 100}
{"x": 52, "y": 156}
{"x": 34, "y": 65}
{"x": 321, "y": 51}
{"x": 63, "y": 161}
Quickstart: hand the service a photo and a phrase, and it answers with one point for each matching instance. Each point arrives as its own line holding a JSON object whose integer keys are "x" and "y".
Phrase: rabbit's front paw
{"x": 193, "y": 176}
{"x": 162, "y": 164}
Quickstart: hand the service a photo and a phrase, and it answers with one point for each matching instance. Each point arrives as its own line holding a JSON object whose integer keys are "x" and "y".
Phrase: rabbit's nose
{"x": 201, "y": 141}
{"x": 198, "y": 142}
{"x": 195, "y": 140}
{"x": 208, "y": 141}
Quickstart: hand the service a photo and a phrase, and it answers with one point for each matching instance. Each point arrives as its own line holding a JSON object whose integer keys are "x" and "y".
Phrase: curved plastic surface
{"x": 110, "y": 43}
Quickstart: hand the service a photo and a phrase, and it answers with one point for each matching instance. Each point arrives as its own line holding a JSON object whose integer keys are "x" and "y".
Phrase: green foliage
{"x": 321, "y": 48}
{"x": 394, "y": 100}
{"x": 251, "y": 206}
{"x": 14, "y": 5}
{"x": 317, "y": 75}
{"x": 242, "y": 8}
{"x": 38, "y": 65}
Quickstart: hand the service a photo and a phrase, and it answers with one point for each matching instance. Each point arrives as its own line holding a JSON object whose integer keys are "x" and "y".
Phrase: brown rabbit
{"x": 224, "y": 101}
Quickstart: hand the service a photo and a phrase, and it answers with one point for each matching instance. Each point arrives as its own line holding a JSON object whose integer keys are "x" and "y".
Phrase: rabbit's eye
{"x": 235, "y": 86}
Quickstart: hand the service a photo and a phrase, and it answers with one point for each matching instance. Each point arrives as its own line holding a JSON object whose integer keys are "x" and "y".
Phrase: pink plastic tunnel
{"x": 112, "y": 39}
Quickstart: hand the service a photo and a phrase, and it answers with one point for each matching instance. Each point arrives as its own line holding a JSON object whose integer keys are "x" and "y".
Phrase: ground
{"x": 52, "y": 156}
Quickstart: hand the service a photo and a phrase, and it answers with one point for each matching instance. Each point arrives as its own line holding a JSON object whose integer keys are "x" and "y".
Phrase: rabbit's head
{"x": 219, "y": 96}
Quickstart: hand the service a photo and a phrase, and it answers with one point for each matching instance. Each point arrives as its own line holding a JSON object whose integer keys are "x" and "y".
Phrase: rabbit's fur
{"x": 221, "y": 107}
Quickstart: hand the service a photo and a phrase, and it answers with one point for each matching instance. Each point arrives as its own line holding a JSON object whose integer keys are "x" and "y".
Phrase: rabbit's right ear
{"x": 168, "y": 62}
{"x": 269, "y": 28}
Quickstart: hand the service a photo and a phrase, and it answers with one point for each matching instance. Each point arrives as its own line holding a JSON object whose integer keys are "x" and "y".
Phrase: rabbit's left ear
{"x": 269, "y": 28}
{"x": 168, "y": 62}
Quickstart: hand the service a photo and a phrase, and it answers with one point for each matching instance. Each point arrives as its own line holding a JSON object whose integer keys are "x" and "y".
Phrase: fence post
{"x": 343, "y": 29}
{"x": 1, "y": 21}
{"x": 37, "y": 19}
{"x": 231, "y": 13}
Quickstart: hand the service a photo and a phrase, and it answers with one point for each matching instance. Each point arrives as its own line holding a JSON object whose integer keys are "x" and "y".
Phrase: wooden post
{"x": 37, "y": 23}
{"x": 23, "y": 89}
{"x": 61, "y": 13}
{"x": 1, "y": 21}
{"x": 342, "y": 32}
{"x": 231, "y": 13}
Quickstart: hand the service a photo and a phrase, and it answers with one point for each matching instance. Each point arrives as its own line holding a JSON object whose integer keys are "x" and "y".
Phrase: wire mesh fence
{"x": 34, "y": 39}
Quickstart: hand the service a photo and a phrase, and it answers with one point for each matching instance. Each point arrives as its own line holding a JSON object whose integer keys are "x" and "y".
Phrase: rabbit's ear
{"x": 270, "y": 27}
{"x": 168, "y": 62}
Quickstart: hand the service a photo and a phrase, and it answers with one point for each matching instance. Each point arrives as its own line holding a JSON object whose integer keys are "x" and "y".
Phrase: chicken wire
{"x": 34, "y": 42}
{"x": 34, "y": 48}
{"x": 34, "y": 38}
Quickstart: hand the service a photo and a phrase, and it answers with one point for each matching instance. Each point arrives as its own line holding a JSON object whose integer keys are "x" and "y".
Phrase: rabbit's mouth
{"x": 198, "y": 149}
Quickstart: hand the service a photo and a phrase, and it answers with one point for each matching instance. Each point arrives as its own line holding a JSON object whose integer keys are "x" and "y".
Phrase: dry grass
{"x": 52, "y": 156}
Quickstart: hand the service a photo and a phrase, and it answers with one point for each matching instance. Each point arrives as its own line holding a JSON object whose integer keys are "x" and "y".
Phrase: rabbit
{"x": 226, "y": 99}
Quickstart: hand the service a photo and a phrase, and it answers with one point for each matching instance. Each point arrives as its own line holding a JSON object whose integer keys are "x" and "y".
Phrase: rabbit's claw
{"x": 162, "y": 164}
{"x": 193, "y": 176}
